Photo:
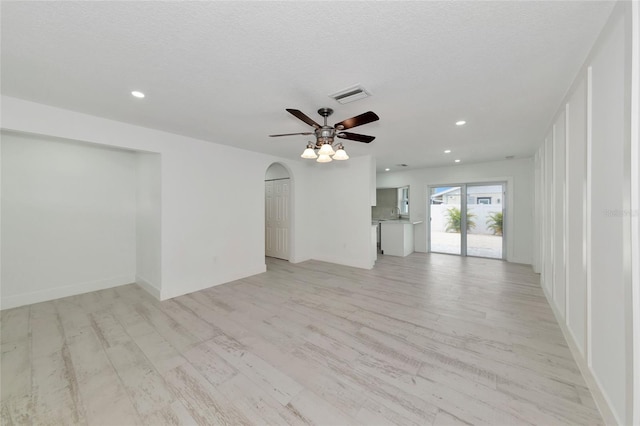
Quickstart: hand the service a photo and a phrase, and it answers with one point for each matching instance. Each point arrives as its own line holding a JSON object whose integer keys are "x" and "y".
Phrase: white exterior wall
{"x": 481, "y": 212}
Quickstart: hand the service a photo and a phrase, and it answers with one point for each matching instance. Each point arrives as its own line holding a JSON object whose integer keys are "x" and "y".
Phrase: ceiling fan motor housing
{"x": 325, "y": 134}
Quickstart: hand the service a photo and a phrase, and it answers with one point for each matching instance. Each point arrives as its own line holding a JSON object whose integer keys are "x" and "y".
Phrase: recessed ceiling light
{"x": 387, "y": 169}
{"x": 461, "y": 123}
{"x": 137, "y": 94}
{"x": 457, "y": 161}
{"x": 447, "y": 151}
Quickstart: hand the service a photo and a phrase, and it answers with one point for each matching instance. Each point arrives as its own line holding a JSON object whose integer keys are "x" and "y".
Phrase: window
{"x": 484, "y": 200}
{"x": 403, "y": 201}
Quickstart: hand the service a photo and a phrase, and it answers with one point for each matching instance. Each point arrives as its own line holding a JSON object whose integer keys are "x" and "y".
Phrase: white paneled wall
{"x": 548, "y": 202}
{"x": 634, "y": 155}
{"x": 583, "y": 210}
{"x": 576, "y": 184}
{"x": 559, "y": 223}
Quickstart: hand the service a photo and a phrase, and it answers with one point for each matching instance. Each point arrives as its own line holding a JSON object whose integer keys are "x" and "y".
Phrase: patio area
{"x": 477, "y": 244}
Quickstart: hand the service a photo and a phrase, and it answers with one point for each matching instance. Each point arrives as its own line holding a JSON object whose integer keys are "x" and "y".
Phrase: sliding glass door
{"x": 485, "y": 204}
{"x": 467, "y": 219}
{"x": 445, "y": 213}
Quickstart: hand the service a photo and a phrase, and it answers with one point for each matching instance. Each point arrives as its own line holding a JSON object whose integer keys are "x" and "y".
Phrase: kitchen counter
{"x": 396, "y": 236}
{"x": 392, "y": 221}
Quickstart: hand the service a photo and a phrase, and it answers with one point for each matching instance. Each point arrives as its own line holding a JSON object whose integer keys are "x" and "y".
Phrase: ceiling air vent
{"x": 351, "y": 94}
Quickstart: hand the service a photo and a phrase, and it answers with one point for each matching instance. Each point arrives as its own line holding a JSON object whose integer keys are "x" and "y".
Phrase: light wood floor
{"x": 426, "y": 339}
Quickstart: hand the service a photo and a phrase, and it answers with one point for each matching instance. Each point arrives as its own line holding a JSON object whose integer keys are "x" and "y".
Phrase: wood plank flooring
{"x": 428, "y": 339}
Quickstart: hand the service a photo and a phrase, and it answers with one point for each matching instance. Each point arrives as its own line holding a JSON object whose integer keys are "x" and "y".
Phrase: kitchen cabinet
{"x": 396, "y": 237}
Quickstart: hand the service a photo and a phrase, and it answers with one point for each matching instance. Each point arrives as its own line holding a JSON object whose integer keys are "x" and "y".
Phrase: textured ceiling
{"x": 225, "y": 71}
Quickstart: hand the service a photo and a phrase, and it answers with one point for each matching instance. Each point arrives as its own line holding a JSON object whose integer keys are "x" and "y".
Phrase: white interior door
{"x": 277, "y": 218}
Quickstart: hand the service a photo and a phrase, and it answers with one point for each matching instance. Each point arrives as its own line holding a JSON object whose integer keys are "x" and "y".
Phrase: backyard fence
{"x": 440, "y": 217}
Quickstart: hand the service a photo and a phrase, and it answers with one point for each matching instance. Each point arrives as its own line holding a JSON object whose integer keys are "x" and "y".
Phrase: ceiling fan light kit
{"x": 326, "y": 149}
{"x": 324, "y": 158}
{"x": 326, "y": 134}
{"x": 340, "y": 154}
{"x": 309, "y": 152}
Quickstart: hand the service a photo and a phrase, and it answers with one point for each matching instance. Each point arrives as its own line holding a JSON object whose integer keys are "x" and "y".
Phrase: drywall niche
{"x": 70, "y": 217}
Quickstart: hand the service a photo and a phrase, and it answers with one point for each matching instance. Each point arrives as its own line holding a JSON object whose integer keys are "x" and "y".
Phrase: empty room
{"x": 321, "y": 213}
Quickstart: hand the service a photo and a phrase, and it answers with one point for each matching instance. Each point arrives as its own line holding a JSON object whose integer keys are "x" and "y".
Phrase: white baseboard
{"x": 599, "y": 396}
{"x": 364, "y": 264}
{"x": 222, "y": 279}
{"x": 298, "y": 259}
{"x": 148, "y": 287}
{"x": 8, "y": 302}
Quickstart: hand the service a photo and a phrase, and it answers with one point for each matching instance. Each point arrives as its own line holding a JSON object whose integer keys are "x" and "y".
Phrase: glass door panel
{"x": 484, "y": 213}
{"x": 445, "y": 211}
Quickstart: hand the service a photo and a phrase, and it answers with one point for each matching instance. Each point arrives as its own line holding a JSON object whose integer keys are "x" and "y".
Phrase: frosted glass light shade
{"x": 309, "y": 153}
{"x": 323, "y": 158}
{"x": 326, "y": 149}
{"x": 341, "y": 154}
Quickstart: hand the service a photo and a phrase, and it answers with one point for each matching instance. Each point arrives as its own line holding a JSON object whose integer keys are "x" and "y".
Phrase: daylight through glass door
{"x": 469, "y": 225}
{"x": 445, "y": 211}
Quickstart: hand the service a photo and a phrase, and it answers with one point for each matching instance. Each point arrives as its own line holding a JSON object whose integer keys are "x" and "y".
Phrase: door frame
{"x": 292, "y": 213}
{"x": 506, "y": 212}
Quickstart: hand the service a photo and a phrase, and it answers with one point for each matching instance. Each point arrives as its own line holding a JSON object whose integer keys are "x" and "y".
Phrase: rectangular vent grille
{"x": 350, "y": 94}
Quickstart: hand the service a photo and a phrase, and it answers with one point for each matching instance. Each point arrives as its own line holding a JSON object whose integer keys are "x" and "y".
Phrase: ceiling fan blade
{"x": 291, "y": 134}
{"x": 358, "y": 120}
{"x": 355, "y": 137}
{"x": 302, "y": 116}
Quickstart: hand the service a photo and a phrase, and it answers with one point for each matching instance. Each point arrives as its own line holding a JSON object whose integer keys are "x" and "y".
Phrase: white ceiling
{"x": 225, "y": 71}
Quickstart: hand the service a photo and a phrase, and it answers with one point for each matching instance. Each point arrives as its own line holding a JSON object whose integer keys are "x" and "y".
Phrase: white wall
{"x": 607, "y": 238}
{"x": 518, "y": 174}
{"x": 559, "y": 219}
{"x": 148, "y": 222}
{"x": 341, "y": 217}
{"x": 276, "y": 171}
{"x": 576, "y": 175}
{"x": 635, "y": 207}
{"x": 212, "y": 200}
{"x": 68, "y": 218}
{"x": 588, "y": 251}
{"x": 209, "y": 234}
{"x": 547, "y": 206}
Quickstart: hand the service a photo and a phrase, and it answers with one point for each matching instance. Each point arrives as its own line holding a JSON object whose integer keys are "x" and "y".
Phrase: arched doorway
{"x": 277, "y": 206}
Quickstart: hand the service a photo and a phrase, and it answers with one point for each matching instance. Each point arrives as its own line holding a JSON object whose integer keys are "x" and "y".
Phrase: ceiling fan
{"x": 325, "y": 134}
